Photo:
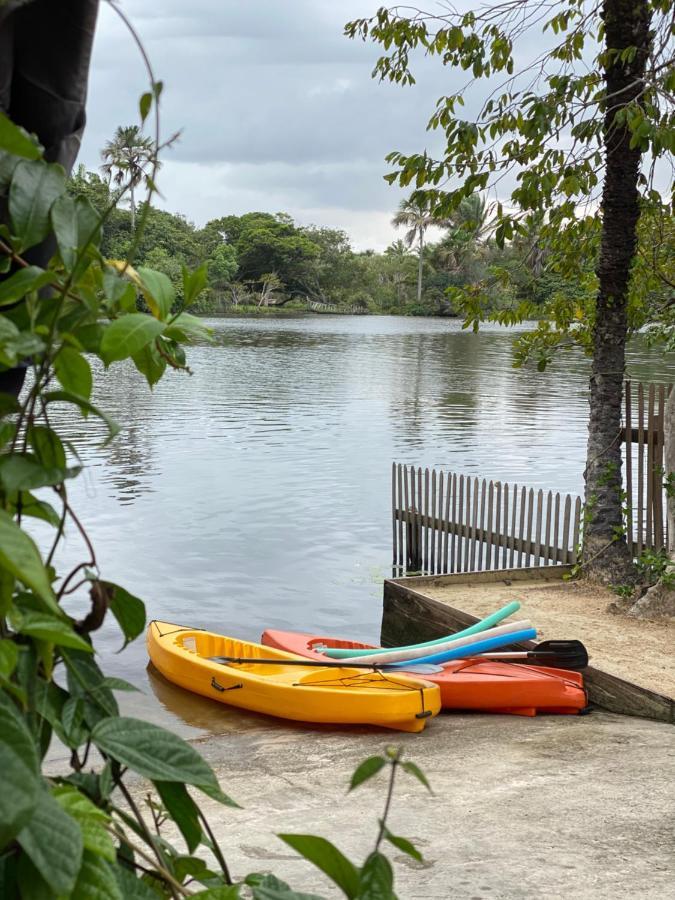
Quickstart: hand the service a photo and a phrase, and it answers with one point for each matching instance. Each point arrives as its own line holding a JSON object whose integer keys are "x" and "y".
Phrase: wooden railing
{"x": 444, "y": 522}
{"x": 643, "y": 435}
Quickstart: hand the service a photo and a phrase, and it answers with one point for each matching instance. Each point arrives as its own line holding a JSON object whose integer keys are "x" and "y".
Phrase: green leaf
{"x": 34, "y": 188}
{"x": 9, "y": 656}
{"x": 37, "y": 509}
{"x": 15, "y": 345}
{"x": 158, "y": 291}
{"x": 7, "y": 585}
{"x": 33, "y": 885}
{"x": 152, "y": 751}
{"x": 64, "y": 224}
{"x": 376, "y": 879}
{"x": 20, "y": 772}
{"x": 7, "y": 165}
{"x": 403, "y": 844}
{"x": 76, "y": 226}
{"x": 73, "y": 732}
{"x": 150, "y": 363}
{"x": 417, "y": 773}
{"x": 49, "y": 702}
{"x": 47, "y": 446}
{"x": 120, "y": 292}
{"x": 20, "y": 557}
{"x": 215, "y": 793}
{"x": 7, "y": 432}
{"x": 25, "y": 472}
{"x": 93, "y": 786}
{"x": 366, "y": 770}
{"x": 187, "y": 327}
{"x": 53, "y": 841}
{"x": 8, "y": 404}
{"x": 133, "y": 888}
{"x": 119, "y": 684}
{"x": 85, "y": 408}
{"x": 74, "y": 372}
{"x": 144, "y": 105}
{"x": 328, "y": 858}
{"x": 9, "y": 333}
{"x": 89, "y": 336}
{"x": 85, "y": 680}
{"x": 23, "y": 282}
{"x": 49, "y": 628}
{"x": 127, "y": 335}
{"x": 229, "y": 892}
{"x": 89, "y": 817}
{"x": 77, "y": 805}
{"x": 197, "y": 869}
{"x": 269, "y": 887}
{"x": 16, "y": 141}
{"x": 182, "y": 809}
{"x": 194, "y": 283}
{"x": 127, "y": 609}
{"x": 96, "y": 880}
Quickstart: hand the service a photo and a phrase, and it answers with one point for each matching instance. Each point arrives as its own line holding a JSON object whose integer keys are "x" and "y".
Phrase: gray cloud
{"x": 277, "y": 108}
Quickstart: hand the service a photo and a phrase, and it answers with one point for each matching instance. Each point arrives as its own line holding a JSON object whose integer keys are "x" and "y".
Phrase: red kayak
{"x": 486, "y": 685}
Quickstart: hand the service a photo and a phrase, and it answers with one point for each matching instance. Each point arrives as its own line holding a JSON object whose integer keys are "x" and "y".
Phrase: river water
{"x": 256, "y": 492}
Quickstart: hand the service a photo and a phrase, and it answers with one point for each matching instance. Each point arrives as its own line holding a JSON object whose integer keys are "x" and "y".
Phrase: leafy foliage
{"x": 535, "y": 144}
{"x": 316, "y": 264}
{"x": 82, "y": 834}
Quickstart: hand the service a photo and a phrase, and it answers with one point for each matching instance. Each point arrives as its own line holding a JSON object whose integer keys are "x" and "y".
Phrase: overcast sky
{"x": 277, "y": 108}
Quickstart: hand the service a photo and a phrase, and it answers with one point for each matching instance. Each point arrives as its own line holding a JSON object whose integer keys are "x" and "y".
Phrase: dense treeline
{"x": 264, "y": 260}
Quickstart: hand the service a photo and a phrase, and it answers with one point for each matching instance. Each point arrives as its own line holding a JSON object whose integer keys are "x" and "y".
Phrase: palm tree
{"x": 126, "y": 160}
{"x": 398, "y": 250}
{"x": 416, "y": 215}
{"x": 471, "y": 216}
{"x": 467, "y": 226}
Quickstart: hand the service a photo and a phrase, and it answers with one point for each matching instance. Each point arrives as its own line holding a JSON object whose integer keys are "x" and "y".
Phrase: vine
{"x": 83, "y": 833}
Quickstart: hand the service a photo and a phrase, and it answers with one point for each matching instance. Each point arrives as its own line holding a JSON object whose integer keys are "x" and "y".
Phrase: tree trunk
{"x": 419, "y": 266}
{"x": 605, "y": 551}
{"x": 132, "y": 207}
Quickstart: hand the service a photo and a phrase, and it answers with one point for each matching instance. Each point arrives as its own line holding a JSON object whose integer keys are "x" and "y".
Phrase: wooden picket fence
{"x": 444, "y": 523}
{"x": 643, "y": 435}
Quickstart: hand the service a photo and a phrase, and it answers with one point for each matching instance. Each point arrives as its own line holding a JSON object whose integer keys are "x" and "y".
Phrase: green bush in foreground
{"x": 82, "y": 834}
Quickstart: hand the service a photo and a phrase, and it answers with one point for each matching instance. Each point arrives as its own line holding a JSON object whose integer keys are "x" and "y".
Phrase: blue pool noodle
{"x": 483, "y": 646}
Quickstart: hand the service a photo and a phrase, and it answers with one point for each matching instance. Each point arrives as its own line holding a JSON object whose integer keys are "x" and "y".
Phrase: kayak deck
{"x": 471, "y": 684}
{"x": 189, "y": 658}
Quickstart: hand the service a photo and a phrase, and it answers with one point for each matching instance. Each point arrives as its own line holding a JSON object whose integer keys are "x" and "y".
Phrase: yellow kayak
{"x": 188, "y": 657}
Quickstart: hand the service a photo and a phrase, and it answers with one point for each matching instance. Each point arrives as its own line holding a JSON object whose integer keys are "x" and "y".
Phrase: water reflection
{"x": 255, "y": 493}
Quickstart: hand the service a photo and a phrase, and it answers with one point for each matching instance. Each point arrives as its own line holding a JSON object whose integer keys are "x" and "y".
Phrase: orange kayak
{"x": 485, "y": 685}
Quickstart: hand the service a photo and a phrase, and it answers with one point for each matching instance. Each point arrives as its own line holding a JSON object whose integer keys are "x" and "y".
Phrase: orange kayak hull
{"x": 485, "y": 685}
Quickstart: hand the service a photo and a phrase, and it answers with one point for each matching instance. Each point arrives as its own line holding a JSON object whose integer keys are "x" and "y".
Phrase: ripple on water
{"x": 255, "y": 493}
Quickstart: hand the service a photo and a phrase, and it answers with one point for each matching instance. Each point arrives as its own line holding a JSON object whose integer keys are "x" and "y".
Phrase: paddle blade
{"x": 553, "y": 654}
{"x": 573, "y": 654}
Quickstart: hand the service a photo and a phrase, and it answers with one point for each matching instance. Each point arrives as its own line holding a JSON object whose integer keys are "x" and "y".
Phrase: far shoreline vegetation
{"x": 266, "y": 264}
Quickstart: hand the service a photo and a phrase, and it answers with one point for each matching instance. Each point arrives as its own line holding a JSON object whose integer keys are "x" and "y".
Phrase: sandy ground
{"x": 637, "y": 651}
{"x": 523, "y": 809}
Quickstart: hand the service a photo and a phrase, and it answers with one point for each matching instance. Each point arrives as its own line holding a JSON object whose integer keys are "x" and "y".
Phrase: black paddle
{"x": 419, "y": 668}
{"x": 554, "y": 654}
